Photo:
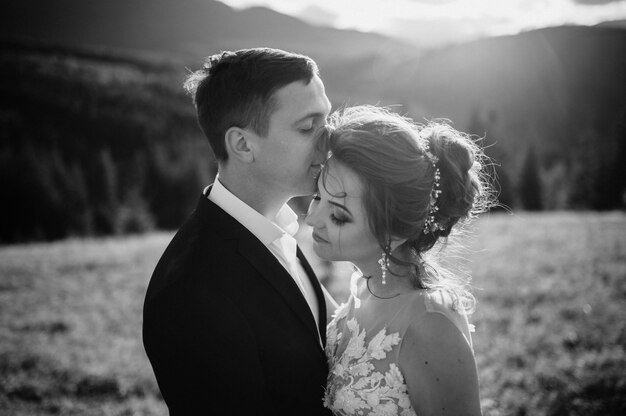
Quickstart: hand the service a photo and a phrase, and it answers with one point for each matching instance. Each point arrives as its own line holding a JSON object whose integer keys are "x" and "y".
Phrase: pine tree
{"x": 530, "y": 189}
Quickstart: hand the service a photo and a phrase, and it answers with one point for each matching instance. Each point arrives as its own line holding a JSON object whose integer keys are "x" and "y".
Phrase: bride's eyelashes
{"x": 338, "y": 219}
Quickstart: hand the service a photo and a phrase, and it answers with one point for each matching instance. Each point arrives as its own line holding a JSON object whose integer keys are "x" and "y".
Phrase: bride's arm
{"x": 439, "y": 368}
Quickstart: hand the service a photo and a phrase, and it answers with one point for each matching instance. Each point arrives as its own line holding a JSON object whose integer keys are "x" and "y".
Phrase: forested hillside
{"x": 556, "y": 94}
{"x": 100, "y": 141}
{"x": 94, "y": 144}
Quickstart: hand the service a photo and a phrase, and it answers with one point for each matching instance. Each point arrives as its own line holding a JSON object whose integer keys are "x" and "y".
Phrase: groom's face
{"x": 289, "y": 158}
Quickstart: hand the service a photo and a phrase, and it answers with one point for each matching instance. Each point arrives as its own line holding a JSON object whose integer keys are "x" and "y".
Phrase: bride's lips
{"x": 318, "y": 239}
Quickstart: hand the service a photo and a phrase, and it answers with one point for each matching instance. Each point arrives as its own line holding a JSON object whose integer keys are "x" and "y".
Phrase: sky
{"x": 443, "y": 21}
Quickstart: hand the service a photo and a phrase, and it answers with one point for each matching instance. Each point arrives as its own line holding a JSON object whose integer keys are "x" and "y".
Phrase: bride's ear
{"x": 238, "y": 145}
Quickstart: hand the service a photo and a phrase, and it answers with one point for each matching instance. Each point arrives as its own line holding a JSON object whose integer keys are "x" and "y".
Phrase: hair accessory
{"x": 384, "y": 266}
{"x": 430, "y": 224}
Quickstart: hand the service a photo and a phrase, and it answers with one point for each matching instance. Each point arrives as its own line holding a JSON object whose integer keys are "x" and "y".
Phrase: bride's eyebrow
{"x": 343, "y": 207}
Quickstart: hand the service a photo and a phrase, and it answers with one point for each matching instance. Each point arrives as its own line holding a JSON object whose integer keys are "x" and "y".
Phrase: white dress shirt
{"x": 277, "y": 236}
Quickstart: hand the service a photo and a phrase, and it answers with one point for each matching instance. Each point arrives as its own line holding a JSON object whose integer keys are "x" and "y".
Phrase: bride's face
{"x": 341, "y": 230}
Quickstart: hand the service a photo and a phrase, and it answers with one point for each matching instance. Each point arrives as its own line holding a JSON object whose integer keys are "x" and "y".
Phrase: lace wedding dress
{"x": 363, "y": 344}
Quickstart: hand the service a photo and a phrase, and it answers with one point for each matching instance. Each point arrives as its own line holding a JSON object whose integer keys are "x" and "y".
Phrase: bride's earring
{"x": 384, "y": 266}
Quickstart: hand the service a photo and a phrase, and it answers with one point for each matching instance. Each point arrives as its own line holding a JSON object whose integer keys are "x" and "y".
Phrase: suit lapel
{"x": 321, "y": 301}
{"x": 275, "y": 274}
{"x": 267, "y": 265}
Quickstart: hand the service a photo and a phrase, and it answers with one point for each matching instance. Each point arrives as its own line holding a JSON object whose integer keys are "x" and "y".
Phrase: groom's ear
{"x": 238, "y": 145}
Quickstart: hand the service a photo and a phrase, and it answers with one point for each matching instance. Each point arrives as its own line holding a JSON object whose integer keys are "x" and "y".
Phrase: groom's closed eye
{"x": 306, "y": 129}
{"x": 310, "y": 124}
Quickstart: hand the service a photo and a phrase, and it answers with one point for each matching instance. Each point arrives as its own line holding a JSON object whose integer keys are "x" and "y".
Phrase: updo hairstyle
{"x": 388, "y": 153}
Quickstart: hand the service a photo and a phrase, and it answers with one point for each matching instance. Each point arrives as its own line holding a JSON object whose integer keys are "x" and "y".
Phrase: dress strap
{"x": 438, "y": 301}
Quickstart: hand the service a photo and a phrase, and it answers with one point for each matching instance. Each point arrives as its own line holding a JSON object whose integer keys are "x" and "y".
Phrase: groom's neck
{"x": 259, "y": 196}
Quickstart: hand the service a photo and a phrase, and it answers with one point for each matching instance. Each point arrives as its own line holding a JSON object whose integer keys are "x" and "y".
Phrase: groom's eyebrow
{"x": 311, "y": 115}
{"x": 337, "y": 204}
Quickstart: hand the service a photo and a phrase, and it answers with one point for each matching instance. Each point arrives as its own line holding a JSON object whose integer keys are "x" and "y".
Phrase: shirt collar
{"x": 264, "y": 229}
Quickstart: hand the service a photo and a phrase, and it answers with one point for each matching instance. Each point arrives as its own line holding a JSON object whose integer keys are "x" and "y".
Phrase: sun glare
{"x": 486, "y": 17}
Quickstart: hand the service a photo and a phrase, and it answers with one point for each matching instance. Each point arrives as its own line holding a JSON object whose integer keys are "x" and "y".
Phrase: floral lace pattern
{"x": 354, "y": 386}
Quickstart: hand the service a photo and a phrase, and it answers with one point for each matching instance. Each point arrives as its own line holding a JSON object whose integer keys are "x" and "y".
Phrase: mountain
{"x": 190, "y": 28}
{"x": 616, "y": 24}
{"x": 560, "y": 91}
{"x": 556, "y": 92}
{"x": 550, "y": 75}
{"x": 107, "y": 134}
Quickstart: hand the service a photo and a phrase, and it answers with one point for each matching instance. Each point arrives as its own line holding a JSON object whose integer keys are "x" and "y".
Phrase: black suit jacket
{"x": 226, "y": 328}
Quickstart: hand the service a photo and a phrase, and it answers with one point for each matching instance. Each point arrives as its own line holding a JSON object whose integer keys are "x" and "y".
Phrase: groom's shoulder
{"x": 188, "y": 264}
{"x": 195, "y": 243}
{"x": 207, "y": 242}
{"x": 207, "y": 224}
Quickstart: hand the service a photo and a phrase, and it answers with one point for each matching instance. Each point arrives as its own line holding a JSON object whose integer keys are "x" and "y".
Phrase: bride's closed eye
{"x": 338, "y": 219}
{"x": 335, "y": 217}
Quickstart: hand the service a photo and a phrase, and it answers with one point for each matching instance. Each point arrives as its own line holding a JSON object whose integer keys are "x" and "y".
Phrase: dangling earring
{"x": 384, "y": 266}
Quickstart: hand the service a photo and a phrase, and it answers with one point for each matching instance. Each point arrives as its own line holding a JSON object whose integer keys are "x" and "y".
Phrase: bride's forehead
{"x": 337, "y": 179}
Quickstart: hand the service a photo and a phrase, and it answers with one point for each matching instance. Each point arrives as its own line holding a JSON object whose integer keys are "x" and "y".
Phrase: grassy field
{"x": 550, "y": 324}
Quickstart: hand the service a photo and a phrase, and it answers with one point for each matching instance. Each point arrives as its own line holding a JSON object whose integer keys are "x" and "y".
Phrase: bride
{"x": 390, "y": 191}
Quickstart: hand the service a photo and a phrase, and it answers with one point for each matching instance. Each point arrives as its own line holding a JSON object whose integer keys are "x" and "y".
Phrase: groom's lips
{"x": 319, "y": 239}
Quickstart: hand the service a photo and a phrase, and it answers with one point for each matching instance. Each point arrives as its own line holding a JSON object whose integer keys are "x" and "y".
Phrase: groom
{"x": 234, "y": 317}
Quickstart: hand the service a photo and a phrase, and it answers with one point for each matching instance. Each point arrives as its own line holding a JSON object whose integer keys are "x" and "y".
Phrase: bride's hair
{"x": 388, "y": 152}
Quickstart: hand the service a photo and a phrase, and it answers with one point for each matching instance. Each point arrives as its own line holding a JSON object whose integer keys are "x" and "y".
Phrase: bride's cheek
{"x": 341, "y": 241}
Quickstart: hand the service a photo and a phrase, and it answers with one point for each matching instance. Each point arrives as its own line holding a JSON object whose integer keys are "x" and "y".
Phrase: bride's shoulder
{"x": 426, "y": 301}
{"x": 433, "y": 314}
{"x": 439, "y": 300}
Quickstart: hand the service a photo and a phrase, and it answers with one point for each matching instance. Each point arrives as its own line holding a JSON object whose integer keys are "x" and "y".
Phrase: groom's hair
{"x": 236, "y": 89}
